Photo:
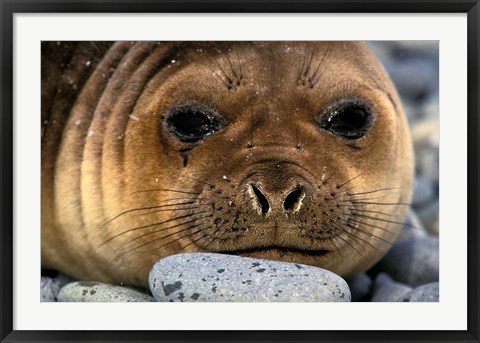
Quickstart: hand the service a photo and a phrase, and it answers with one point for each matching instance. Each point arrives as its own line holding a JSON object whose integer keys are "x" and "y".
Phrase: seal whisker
{"x": 314, "y": 77}
{"x": 200, "y": 238}
{"x": 150, "y": 225}
{"x": 357, "y": 237}
{"x": 353, "y": 178}
{"x": 164, "y": 190}
{"x": 361, "y": 199}
{"x": 386, "y": 221}
{"x": 161, "y": 238}
{"x": 348, "y": 242}
{"x": 349, "y": 220}
{"x": 369, "y": 234}
{"x": 167, "y": 228}
{"x": 173, "y": 209}
{"x": 234, "y": 71}
{"x": 228, "y": 81}
{"x": 380, "y": 203}
{"x": 198, "y": 180}
{"x": 368, "y": 211}
{"x": 172, "y": 241}
{"x": 374, "y": 191}
{"x": 145, "y": 209}
{"x": 324, "y": 182}
{"x": 340, "y": 250}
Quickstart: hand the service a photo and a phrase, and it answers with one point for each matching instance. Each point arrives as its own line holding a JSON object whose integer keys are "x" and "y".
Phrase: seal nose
{"x": 292, "y": 202}
{"x": 259, "y": 201}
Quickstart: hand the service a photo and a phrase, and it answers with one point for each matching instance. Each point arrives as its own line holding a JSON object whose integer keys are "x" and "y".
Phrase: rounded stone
{"x": 88, "y": 291}
{"x": 423, "y": 192}
{"x": 413, "y": 227}
{"x": 360, "y": 287}
{"x": 50, "y": 286}
{"x": 429, "y": 216}
{"x": 385, "y": 289}
{"x": 49, "y": 289}
{"x": 414, "y": 261}
{"x": 209, "y": 277}
{"x": 425, "y": 293}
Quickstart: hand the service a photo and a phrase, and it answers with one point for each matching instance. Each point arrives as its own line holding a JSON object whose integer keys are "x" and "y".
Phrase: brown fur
{"x": 107, "y": 160}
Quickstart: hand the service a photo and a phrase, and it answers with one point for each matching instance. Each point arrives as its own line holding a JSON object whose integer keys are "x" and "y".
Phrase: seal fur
{"x": 125, "y": 181}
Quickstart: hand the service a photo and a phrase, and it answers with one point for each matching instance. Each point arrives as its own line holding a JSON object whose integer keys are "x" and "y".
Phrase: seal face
{"x": 291, "y": 151}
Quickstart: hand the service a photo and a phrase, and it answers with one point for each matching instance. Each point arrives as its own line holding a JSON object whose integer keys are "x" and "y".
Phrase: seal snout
{"x": 263, "y": 201}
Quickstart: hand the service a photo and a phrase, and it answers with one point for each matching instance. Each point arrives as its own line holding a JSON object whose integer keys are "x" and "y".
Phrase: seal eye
{"x": 191, "y": 125}
{"x": 351, "y": 122}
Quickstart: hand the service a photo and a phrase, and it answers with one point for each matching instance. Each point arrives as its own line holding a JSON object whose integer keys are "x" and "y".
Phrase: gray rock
{"x": 425, "y": 293}
{"x": 385, "y": 289}
{"x": 413, "y": 227}
{"x": 423, "y": 192}
{"x": 429, "y": 216}
{"x": 416, "y": 78}
{"x": 426, "y": 138}
{"x": 360, "y": 287}
{"x": 413, "y": 261}
{"x": 88, "y": 291}
{"x": 226, "y": 278}
{"x": 430, "y": 110}
{"x": 49, "y": 287}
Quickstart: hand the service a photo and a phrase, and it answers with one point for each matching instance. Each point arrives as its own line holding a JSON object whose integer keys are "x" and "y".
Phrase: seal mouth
{"x": 277, "y": 250}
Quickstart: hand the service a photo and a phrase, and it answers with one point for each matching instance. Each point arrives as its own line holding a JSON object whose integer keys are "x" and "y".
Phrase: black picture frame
{"x": 10, "y": 7}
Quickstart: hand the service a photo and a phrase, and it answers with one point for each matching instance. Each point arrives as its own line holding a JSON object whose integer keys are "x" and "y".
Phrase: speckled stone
{"x": 49, "y": 287}
{"x": 425, "y": 293}
{"x": 360, "y": 287}
{"x": 385, "y": 289}
{"x": 413, "y": 261}
{"x": 210, "y": 277}
{"x": 88, "y": 291}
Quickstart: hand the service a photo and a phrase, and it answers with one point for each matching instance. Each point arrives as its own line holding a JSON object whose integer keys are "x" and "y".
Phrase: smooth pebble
{"x": 424, "y": 293}
{"x": 414, "y": 261}
{"x": 208, "y": 277}
{"x": 50, "y": 286}
{"x": 385, "y": 289}
{"x": 360, "y": 287}
{"x": 88, "y": 291}
{"x": 413, "y": 227}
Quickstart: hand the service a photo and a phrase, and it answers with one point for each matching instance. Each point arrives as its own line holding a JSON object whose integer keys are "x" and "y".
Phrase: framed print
{"x": 184, "y": 171}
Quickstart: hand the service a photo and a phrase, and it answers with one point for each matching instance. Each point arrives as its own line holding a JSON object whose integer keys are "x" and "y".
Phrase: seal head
{"x": 291, "y": 151}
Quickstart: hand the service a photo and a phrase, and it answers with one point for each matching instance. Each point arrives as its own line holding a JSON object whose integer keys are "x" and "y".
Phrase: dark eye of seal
{"x": 351, "y": 121}
{"x": 191, "y": 125}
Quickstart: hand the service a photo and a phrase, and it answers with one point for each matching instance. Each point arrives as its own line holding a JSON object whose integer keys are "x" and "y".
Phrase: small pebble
{"x": 88, "y": 291}
{"x": 385, "y": 289}
{"x": 210, "y": 277}
{"x": 423, "y": 192}
{"x": 49, "y": 289}
{"x": 413, "y": 261}
{"x": 360, "y": 287}
{"x": 429, "y": 216}
{"x": 425, "y": 293}
{"x": 413, "y": 227}
{"x": 50, "y": 286}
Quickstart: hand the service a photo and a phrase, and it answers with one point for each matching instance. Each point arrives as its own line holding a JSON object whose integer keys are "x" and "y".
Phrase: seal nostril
{"x": 262, "y": 201}
{"x": 293, "y": 201}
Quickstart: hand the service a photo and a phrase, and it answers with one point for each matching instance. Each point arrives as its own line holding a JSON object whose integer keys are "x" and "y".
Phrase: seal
{"x": 290, "y": 151}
